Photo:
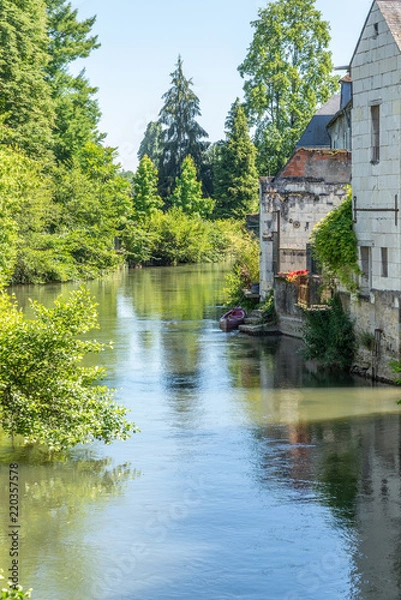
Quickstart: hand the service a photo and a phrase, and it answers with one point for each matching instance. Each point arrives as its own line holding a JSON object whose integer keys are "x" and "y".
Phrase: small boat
{"x": 232, "y": 319}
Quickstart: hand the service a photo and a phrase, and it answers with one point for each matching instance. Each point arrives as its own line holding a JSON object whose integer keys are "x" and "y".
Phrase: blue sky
{"x": 142, "y": 39}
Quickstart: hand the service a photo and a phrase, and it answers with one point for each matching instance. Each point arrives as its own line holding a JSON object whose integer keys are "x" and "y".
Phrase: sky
{"x": 141, "y": 40}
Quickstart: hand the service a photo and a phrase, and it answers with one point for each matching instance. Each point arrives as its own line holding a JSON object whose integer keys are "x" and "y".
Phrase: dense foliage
{"x": 46, "y": 396}
{"x": 26, "y": 108}
{"x": 187, "y": 194}
{"x": 236, "y": 181}
{"x": 329, "y": 336}
{"x": 175, "y": 237}
{"x": 62, "y": 198}
{"x": 245, "y": 272}
{"x": 146, "y": 199}
{"x": 287, "y": 72}
{"x": 335, "y": 244}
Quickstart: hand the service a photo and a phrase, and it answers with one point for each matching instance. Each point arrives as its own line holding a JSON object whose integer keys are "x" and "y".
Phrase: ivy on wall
{"x": 334, "y": 244}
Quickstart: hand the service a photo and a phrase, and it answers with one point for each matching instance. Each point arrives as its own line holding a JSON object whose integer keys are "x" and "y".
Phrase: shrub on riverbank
{"x": 245, "y": 272}
{"x": 329, "y": 336}
{"x": 174, "y": 237}
{"x": 46, "y": 396}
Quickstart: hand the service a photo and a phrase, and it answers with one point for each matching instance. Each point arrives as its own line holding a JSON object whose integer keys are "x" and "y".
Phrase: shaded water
{"x": 251, "y": 478}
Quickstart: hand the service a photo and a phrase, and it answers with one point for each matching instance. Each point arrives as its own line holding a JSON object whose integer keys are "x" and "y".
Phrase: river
{"x": 251, "y": 478}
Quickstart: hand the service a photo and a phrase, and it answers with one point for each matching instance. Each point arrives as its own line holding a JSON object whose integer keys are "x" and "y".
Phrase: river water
{"x": 250, "y": 478}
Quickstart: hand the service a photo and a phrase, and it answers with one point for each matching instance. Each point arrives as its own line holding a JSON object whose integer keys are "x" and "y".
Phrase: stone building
{"x": 376, "y": 182}
{"x": 309, "y": 186}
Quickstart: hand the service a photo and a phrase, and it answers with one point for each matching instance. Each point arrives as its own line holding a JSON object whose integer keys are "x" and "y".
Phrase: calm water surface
{"x": 250, "y": 479}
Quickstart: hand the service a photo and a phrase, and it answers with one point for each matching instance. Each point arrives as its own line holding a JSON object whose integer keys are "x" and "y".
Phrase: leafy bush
{"x": 174, "y": 237}
{"x": 245, "y": 271}
{"x": 46, "y": 396}
{"x": 11, "y": 593}
{"x": 269, "y": 312}
{"x": 329, "y": 336}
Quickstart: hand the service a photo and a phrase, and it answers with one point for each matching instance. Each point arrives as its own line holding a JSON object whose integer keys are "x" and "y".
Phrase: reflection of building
{"x": 353, "y": 467}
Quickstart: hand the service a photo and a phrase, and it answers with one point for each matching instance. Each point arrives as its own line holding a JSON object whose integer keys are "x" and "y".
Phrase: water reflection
{"x": 260, "y": 479}
{"x": 56, "y": 497}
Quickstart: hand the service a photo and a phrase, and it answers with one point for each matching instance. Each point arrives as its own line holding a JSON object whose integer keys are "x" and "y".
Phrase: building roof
{"x": 391, "y": 11}
{"x": 331, "y": 106}
{"x": 315, "y": 134}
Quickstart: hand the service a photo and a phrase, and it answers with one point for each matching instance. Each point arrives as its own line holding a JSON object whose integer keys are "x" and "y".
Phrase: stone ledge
{"x": 261, "y": 329}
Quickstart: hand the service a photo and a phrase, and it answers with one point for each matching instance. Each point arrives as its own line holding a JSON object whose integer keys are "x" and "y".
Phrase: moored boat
{"x": 232, "y": 319}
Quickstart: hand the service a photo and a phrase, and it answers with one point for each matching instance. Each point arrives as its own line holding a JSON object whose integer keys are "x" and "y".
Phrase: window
{"x": 366, "y": 269}
{"x": 375, "y": 115}
{"x": 384, "y": 262}
{"x": 375, "y": 30}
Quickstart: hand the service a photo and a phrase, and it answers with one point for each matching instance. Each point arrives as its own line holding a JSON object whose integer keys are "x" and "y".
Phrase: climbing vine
{"x": 334, "y": 244}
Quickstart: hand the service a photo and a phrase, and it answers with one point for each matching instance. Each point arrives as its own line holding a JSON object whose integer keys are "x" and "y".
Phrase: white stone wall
{"x": 376, "y": 75}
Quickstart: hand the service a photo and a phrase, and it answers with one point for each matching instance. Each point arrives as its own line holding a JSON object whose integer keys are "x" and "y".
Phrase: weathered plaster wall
{"x": 311, "y": 184}
{"x": 340, "y": 131}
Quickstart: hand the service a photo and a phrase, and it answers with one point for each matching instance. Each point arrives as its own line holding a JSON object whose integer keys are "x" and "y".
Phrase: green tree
{"x": 236, "y": 183}
{"x": 46, "y": 396}
{"x": 25, "y": 208}
{"x": 287, "y": 72}
{"x": 77, "y": 111}
{"x": 182, "y": 134}
{"x": 26, "y": 107}
{"x": 93, "y": 201}
{"x": 145, "y": 196}
{"x": 188, "y": 195}
{"x": 152, "y": 143}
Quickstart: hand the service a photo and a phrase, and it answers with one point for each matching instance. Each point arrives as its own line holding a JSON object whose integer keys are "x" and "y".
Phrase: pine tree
{"x": 182, "y": 135}
{"x": 187, "y": 194}
{"x": 26, "y": 107}
{"x": 236, "y": 183}
{"x": 146, "y": 198}
{"x": 151, "y": 144}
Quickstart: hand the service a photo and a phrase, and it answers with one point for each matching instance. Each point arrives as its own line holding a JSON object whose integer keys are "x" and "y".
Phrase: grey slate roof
{"x": 315, "y": 134}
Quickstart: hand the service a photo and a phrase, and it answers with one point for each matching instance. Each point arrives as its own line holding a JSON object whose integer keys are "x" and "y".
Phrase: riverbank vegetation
{"x": 68, "y": 211}
{"x": 245, "y": 272}
{"x": 47, "y": 396}
{"x": 329, "y": 336}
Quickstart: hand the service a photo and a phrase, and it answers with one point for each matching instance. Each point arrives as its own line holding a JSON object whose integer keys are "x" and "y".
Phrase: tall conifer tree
{"x": 182, "y": 134}
{"x": 236, "y": 182}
